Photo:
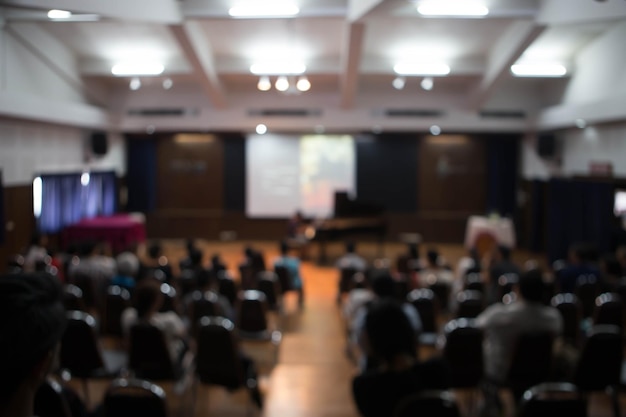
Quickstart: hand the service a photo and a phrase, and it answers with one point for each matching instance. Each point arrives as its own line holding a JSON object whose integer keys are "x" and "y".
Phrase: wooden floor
{"x": 312, "y": 375}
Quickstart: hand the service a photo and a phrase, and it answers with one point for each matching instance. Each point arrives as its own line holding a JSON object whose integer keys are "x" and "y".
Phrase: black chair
{"x": 81, "y": 354}
{"x": 252, "y": 316}
{"x": 203, "y": 304}
{"x": 284, "y": 278}
{"x": 568, "y": 306}
{"x": 587, "y": 289}
{"x": 227, "y": 287}
{"x": 401, "y": 285}
{"x": 219, "y": 361}
{"x": 600, "y": 363}
{"x": 116, "y": 301}
{"x": 442, "y": 293}
{"x": 50, "y": 401}
{"x": 247, "y": 277}
{"x": 531, "y": 363}
{"x": 73, "y": 298}
{"x": 463, "y": 351}
{"x": 553, "y": 399}
{"x": 428, "y": 403}
{"x": 170, "y": 298}
{"x": 506, "y": 282}
{"x": 470, "y": 304}
{"x": 134, "y": 397}
{"x": 609, "y": 310}
{"x": 187, "y": 281}
{"x": 474, "y": 281}
{"x": 425, "y": 303}
{"x": 87, "y": 285}
{"x": 345, "y": 282}
{"x": 268, "y": 284}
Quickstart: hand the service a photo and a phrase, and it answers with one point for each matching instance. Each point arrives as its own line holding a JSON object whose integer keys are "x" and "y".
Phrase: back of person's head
{"x": 31, "y": 325}
{"x": 155, "y": 250}
{"x": 248, "y": 251}
{"x": 389, "y": 331}
{"x": 505, "y": 252}
{"x": 414, "y": 251}
{"x": 147, "y": 297}
{"x": 383, "y": 285}
{"x": 190, "y": 245}
{"x": 284, "y": 248}
{"x": 531, "y": 285}
{"x": 350, "y": 247}
{"x": 127, "y": 264}
{"x": 432, "y": 256}
{"x": 87, "y": 248}
{"x": 195, "y": 256}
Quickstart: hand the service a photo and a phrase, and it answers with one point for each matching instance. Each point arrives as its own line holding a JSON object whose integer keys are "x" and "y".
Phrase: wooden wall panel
{"x": 19, "y": 221}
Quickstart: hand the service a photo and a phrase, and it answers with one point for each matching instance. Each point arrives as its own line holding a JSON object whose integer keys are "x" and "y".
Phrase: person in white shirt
{"x": 351, "y": 259}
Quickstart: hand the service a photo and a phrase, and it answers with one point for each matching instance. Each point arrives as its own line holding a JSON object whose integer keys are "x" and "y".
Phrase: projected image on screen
{"x": 289, "y": 173}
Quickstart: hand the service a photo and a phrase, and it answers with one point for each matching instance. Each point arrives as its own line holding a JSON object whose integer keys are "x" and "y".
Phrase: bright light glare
{"x": 84, "y": 179}
{"x": 435, "y": 130}
{"x": 137, "y": 68}
{"x": 421, "y": 68}
{"x": 264, "y": 83}
{"x": 37, "y": 197}
{"x": 427, "y": 83}
{"x": 168, "y": 83}
{"x": 259, "y": 8}
{"x": 453, "y": 8}
{"x": 538, "y": 70}
{"x": 261, "y": 129}
{"x": 398, "y": 83}
{"x": 59, "y": 14}
{"x": 135, "y": 84}
{"x": 278, "y": 67}
{"x": 303, "y": 84}
{"x": 282, "y": 83}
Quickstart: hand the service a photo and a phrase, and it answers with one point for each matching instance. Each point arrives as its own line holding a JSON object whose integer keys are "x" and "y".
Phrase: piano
{"x": 352, "y": 217}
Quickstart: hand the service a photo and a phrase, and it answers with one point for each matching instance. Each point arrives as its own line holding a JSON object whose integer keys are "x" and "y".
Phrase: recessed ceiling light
{"x": 264, "y": 9}
{"x": 59, "y": 14}
{"x": 452, "y": 8}
{"x": 135, "y": 84}
{"x": 435, "y": 130}
{"x": 538, "y": 70}
{"x": 581, "y": 123}
{"x": 421, "y": 68}
{"x": 278, "y": 68}
{"x": 282, "y": 83}
{"x": 303, "y": 84}
{"x": 261, "y": 129}
{"x": 264, "y": 83}
{"x": 398, "y": 83}
{"x": 427, "y": 83}
{"x": 168, "y": 83}
{"x": 137, "y": 68}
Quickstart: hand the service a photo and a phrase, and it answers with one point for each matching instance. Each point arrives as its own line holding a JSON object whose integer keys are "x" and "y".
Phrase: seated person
{"x": 217, "y": 265}
{"x": 579, "y": 263}
{"x": 383, "y": 287}
{"x": 435, "y": 271}
{"x": 409, "y": 262}
{"x": 155, "y": 261}
{"x": 504, "y": 323}
{"x": 292, "y": 265}
{"x": 37, "y": 251}
{"x": 500, "y": 264}
{"x": 32, "y": 322}
{"x": 148, "y": 300}
{"x": 389, "y": 338}
{"x": 127, "y": 269}
{"x": 187, "y": 262}
{"x": 206, "y": 282}
{"x": 360, "y": 294}
{"x": 351, "y": 259}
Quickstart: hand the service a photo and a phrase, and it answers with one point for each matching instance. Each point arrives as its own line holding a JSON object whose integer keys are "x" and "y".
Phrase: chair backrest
{"x": 609, "y": 310}
{"x": 88, "y": 286}
{"x": 470, "y": 304}
{"x": 284, "y": 278}
{"x": 204, "y": 304}
{"x": 116, "y": 301}
{"x": 217, "y": 360}
{"x": 474, "y": 281}
{"x": 401, "y": 284}
{"x": 247, "y": 277}
{"x": 568, "y": 306}
{"x": 553, "y": 399}
{"x": 80, "y": 352}
{"x": 252, "y": 312}
{"x": 587, "y": 289}
{"x": 345, "y": 279}
{"x": 442, "y": 293}
{"x": 269, "y": 285}
{"x": 424, "y": 302}
{"x": 428, "y": 403}
{"x": 463, "y": 351}
{"x": 227, "y": 287}
{"x": 50, "y": 401}
{"x": 600, "y": 361}
{"x": 148, "y": 355}
{"x": 506, "y": 282}
{"x": 134, "y": 397}
{"x": 170, "y": 298}
{"x": 531, "y": 362}
{"x": 187, "y": 281}
{"x": 73, "y": 298}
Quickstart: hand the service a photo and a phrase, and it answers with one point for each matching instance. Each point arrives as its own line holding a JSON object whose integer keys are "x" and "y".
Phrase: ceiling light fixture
{"x": 581, "y": 123}
{"x": 135, "y": 84}
{"x": 278, "y": 68}
{"x": 264, "y": 9}
{"x": 303, "y": 84}
{"x": 398, "y": 83}
{"x": 264, "y": 83}
{"x": 55, "y": 14}
{"x": 137, "y": 68}
{"x": 435, "y": 130}
{"x": 282, "y": 83}
{"x": 168, "y": 83}
{"x": 452, "y": 8}
{"x": 261, "y": 129}
{"x": 427, "y": 83}
{"x": 421, "y": 68}
{"x": 538, "y": 70}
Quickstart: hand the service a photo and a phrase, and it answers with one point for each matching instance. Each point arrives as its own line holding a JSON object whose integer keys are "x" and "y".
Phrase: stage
{"x": 120, "y": 231}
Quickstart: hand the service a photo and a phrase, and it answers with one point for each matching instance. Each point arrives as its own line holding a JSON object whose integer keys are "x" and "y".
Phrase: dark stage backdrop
{"x": 234, "y": 172}
{"x": 2, "y": 221}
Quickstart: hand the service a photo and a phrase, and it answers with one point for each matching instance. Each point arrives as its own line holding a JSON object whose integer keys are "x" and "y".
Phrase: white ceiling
{"x": 349, "y": 50}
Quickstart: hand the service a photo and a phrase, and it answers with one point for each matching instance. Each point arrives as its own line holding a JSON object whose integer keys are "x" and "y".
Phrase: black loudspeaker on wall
{"x": 99, "y": 143}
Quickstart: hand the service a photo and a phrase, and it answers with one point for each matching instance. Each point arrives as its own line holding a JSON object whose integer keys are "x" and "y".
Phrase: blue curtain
{"x": 578, "y": 211}
{"x": 502, "y": 157}
{"x": 65, "y": 200}
{"x": 141, "y": 174}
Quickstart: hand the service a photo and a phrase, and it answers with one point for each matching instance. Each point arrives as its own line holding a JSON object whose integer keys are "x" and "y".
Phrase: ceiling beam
{"x": 357, "y": 9}
{"x": 156, "y": 11}
{"x": 562, "y": 12}
{"x": 505, "y": 52}
{"x": 197, "y": 49}
{"x": 351, "y": 59}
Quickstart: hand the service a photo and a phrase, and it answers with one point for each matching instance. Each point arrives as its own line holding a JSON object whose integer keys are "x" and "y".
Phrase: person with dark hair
{"x": 217, "y": 265}
{"x": 292, "y": 264}
{"x": 580, "y": 262}
{"x": 188, "y": 262}
{"x": 389, "y": 338}
{"x": 351, "y": 259}
{"x": 32, "y": 320}
{"x": 148, "y": 300}
{"x": 500, "y": 264}
{"x": 435, "y": 270}
{"x": 504, "y": 323}
{"x": 155, "y": 261}
{"x": 37, "y": 251}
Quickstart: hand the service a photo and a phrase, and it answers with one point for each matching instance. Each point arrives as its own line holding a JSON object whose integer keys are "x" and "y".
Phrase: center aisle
{"x": 312, "y": 376}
